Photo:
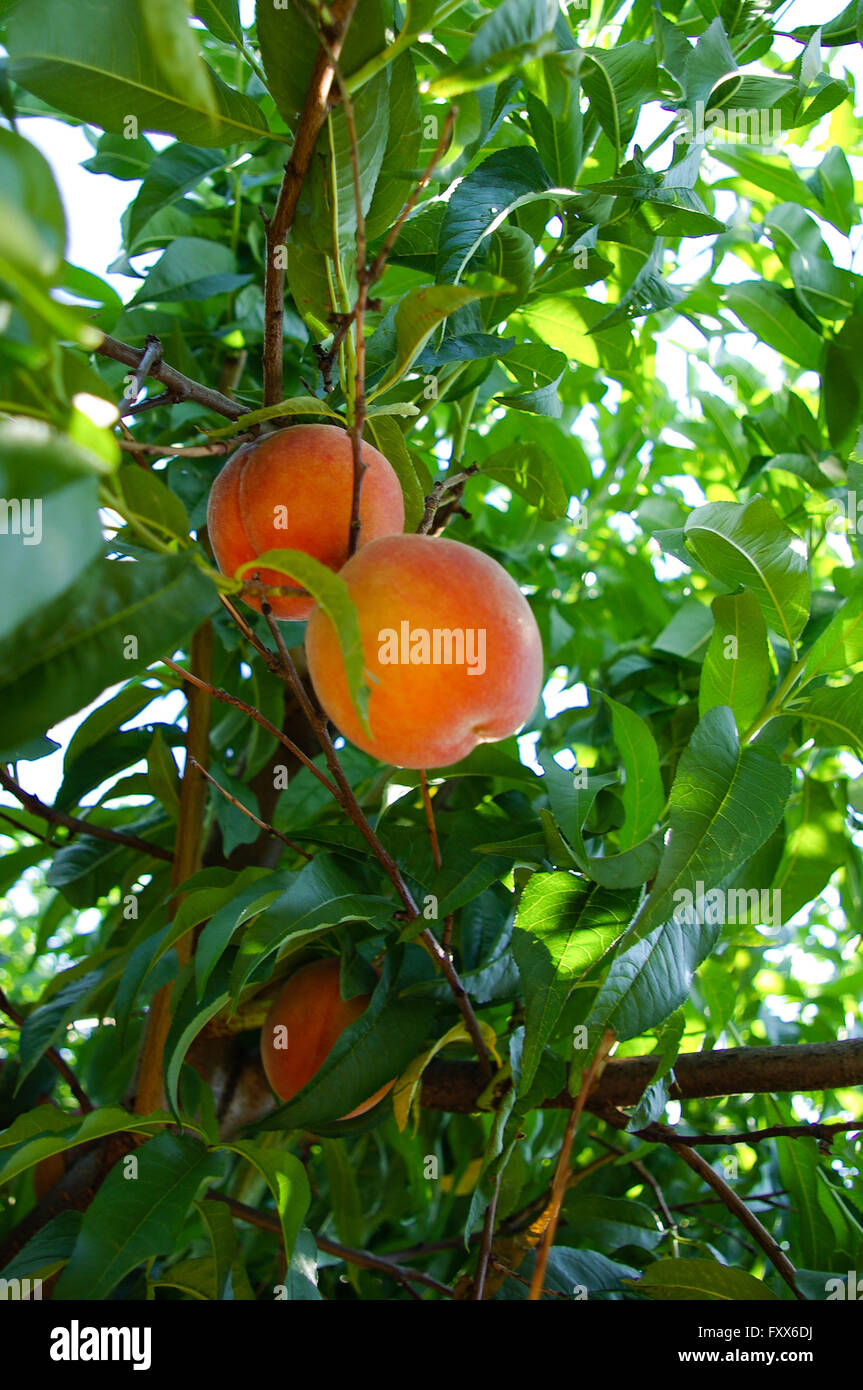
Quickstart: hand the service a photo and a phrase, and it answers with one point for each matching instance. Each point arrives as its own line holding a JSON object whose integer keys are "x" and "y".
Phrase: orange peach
{"x": 292, "y": 490}
{"x": 301, "y": 1029}
{"x": 452, "y": 652}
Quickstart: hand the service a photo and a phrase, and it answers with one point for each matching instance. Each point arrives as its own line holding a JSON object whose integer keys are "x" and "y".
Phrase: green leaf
{"x": 563, "y": 928}
{"x": 643, "y": 795}
{"x": 191, "y": 268}
{"x": 219, "y": 1225}
{"x": 764, "y": 309}
{"x": 570, "y": 803}
{"x": 247, "y": 900}
{"x": 318, "y": 202}
{"x": 148, "y": 499}
{"x": 294, "y": 405}
{"x": 616, "y": 81}
{"x": 837, "y": 713}
{"x": 47, "y": 1023}
{"x": 286, "y": 1178}
{"x": 747, "y": 543}
{"x": 511, "y": 258}
{"x": 701, "y": 1279}
{"x": 163, "y": 776}
{"x": 417, "y": 316}
{"x": 32, "y": 221}
{"x": 96, "y": 62}
{"x": 528, "y": 470}
{"x": 724, "y": 803}
{"x": 128, "y": 1222}
{"x": 45, "y": 1252}
{"x": 395, "y": 180}
{"x": 330, "y": 592}
{"x": 49, "y": 488}
{"x": 289, "y": 48}
{"x": 815, "y": 826}
{"x": 541, "y": 370}
{"x": 38, "y": 1135}
{"x": 514, "y": 33}
{"x": 503, "y": 182}
{"x": 840, "y": 645}
{"x": 222, "y": 18}
{"x": 736, "y": 669}
{"x": 174, "y": 46}
{"x": 388, "y": 438}
{"x": 612, "y": 1222}
{"x": 172, "y": 172}
{"x": 320, "y": 896}
{"x": 81, "y": 645}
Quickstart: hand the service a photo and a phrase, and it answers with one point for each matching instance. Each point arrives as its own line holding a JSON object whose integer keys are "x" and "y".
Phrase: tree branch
{"x": 457, "y": 1086}
{"x": 562, "y": 1170}
{"x": 261, "y": 824}
{"x": 183, "y": 387}
{"x": 150, "y": 359}
{"x": 270, "y": 1222}
{"x": 747, "y": 1219}
{"x": 187, "y": 859}
{"x": 78, "y": 826}
{"x": 311, "y": 120}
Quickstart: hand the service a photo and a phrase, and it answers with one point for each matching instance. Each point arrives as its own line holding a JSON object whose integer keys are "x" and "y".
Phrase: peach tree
{"x": 584, "y": 275}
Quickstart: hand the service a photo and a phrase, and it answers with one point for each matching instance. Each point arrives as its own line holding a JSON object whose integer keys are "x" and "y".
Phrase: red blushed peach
{"x": 452, "y": 652}
{"x": 313, "y": 1014}
{"x": 292, "y": 490}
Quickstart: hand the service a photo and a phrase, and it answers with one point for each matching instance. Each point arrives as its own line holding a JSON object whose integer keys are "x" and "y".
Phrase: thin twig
{"x": 561, "y": 1175}
{"x": 446, "y": 941}
{"x": 747, "y": 1219}
{"x": 192, "y": 451}
{"x": 824, "y": 1133}
{"x": 150, "y": 359}
{"x": 183, "y": 387}
{"x": 487, "y": 1242}
{"x": 227, "y": 699}
{"x": 453, "y": 483}
{"x": 645, "y": 1174}
{"x": 378, "y": 265}
{"x": 346, "y": 797}
{"x": 53, "y": 816}
{"x": 311, "y": 121}
{"x": 52, "y": 1055}
{"x": 267, "y": 1222}
{"x": 261, "y": 824}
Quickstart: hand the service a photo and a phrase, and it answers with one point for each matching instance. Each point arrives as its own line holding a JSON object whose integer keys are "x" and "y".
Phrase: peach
{"x": 291, "y": 490}
{"x": 452, "y": 652}
{"x": 311, "y": 1009}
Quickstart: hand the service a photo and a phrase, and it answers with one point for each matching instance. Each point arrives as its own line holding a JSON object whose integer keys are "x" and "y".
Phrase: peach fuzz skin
{"x": 308, "y": 471}
{"x": 312, "y": 1009}
{"x": 430, "y": 715}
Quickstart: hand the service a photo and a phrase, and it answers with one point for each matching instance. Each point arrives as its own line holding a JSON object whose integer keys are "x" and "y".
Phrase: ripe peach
{"x": 451, "y": 649}
{"x": 310, "y": 1007}
{"x": 291, "y": 490}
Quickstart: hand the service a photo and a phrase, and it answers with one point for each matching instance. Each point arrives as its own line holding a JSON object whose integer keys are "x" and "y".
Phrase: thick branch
{"x": 183, "y": 387}
{"x": 734, "y": 1071}
{"x": 311, "y": 120}
{"x": 80, "y": 827}
{"x": 187, "y": 860}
